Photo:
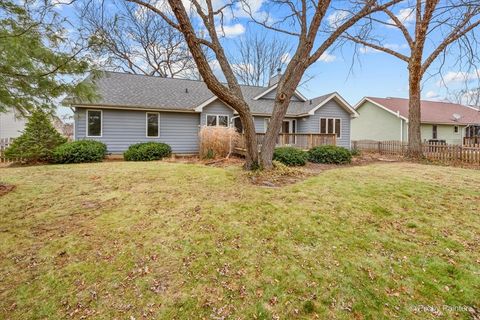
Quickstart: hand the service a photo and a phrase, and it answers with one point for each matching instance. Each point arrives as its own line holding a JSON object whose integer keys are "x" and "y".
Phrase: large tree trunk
{"x": 270, "y": 138}
{"x": 285, "y": 90}
{"x": 282, "y": 100}
{"x": 414, "y": 113}
{"x": 251, "y": 146}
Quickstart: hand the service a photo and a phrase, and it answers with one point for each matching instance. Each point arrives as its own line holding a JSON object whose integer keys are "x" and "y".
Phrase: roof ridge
{"x": 424, "y": 100}
{"x": 168, "y": 78}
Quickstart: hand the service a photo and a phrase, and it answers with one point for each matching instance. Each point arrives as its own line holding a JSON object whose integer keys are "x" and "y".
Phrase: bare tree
{"x": 258, "y": 57}
{"x": 469, "y": 97}
{"x": 436, "y": 25}
{"x": 135, "y": 40}
{"x": 301, "y": 20}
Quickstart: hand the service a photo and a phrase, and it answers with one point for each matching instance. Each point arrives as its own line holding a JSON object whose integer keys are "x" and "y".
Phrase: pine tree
{"x": 38, "y": 140}
{"x": 38, "y": 64}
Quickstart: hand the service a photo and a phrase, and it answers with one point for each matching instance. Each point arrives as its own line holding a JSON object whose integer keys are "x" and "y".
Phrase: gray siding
{"x": 122, "y": 128}
{"x": 260, "y": 124}
{"x": 216, "y": 107}
{"x": 330, "y": 110}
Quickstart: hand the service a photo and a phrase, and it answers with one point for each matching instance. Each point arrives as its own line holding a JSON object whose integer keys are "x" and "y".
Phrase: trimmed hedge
{"x": 290, "y": 156}
{"x": 329, "y": 154}
{"x": 147, "y": 151}
{"x": 80, "y": 151}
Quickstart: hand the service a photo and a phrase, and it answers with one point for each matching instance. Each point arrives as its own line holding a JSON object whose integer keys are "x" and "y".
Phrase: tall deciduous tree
{"x": 429, "y": 28}
{"x": 258, "y": 57}
{"x": 34, "y": 58}
{"x": 301, "y": 20}
{"x": 135, "y": 40}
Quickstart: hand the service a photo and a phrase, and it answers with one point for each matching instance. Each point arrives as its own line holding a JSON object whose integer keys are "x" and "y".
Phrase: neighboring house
{"x": 11, "y": 124}
{"x": 384, "y": 119}
{"x": 138, "y": 108}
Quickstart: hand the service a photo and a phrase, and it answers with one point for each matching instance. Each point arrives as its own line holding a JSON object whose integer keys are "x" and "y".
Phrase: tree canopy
{"x": 36, "y": 61}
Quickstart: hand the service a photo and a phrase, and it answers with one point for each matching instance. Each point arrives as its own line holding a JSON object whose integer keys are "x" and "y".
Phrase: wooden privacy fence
{"x": 299, "y": 140}
{"x": 4, "y": 143}
{"x": 434, "y": 151}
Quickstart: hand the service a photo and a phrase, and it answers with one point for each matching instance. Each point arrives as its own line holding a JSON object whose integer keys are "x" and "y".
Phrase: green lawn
{"x": 164, "y": 240}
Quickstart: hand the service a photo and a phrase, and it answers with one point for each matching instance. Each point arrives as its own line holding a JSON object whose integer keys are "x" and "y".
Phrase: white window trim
{"x": 326, "y": 122}
{"x": 217, "y": 116}
{"x": 266, "y": 121}
{"x": 435, "y": 129}
{"x": 101, "y": 124}
{"x": 458, "y": 130}
{"x": 146, "y": 125}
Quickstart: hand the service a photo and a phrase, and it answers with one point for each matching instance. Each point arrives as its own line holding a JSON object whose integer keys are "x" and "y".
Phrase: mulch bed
{"x": 6, "y": 188}
{"x": 274, "y": 178}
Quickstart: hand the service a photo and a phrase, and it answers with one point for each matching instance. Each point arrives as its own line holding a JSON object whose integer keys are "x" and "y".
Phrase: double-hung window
{"x": 153, "y": 124}
{"x": 217, "y": 120}
{"x": 331, "y": 125}
{"x": 94, "y": 123}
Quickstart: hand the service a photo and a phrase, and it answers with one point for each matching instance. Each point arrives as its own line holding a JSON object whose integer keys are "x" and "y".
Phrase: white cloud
{"x": 432, "y": 95}
{"x": 231, "y": 31}
{"x": 365, "y": 50}
{"x": 337, "y": 18}
{"x": 392, "y": 46}
{"x": 458, "y": 77}
{"x": 286, "y": 57}
{"x": 406, "y": 16}
{"x": 327, "y": 57}
{"x": 244, "y": 8}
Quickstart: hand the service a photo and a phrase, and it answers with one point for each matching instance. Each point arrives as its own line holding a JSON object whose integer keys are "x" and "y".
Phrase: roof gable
{"x": 338, "y": 98}
{"x": 272, "y": 88}
{"x": 366, "y": 99}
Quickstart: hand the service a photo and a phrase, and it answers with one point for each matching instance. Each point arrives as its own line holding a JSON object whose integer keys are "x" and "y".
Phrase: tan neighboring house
{"x": 11, "y": 124}
{"x": 383, "y": 119}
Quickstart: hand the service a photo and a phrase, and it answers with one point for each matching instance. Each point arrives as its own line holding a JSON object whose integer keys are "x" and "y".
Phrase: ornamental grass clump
{"x": 217, "y": 142}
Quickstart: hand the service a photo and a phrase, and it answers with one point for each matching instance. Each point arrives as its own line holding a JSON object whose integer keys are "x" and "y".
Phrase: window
{"x": 223, "y": 121}
{"x": 434, "y": 132}
{"x": 94, "y": 123}
{"x": 331, "y": 125}
{"x": 153, "y": 124}
{"x": 217, "y": 120}
{"x": 455, "y": 129}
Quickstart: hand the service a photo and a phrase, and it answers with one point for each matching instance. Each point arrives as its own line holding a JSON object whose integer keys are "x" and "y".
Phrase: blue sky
{"x": 372, "y": 74}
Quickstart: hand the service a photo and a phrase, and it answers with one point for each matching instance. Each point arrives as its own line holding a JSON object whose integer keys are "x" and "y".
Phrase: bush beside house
{"x": 329, "y": 154}
{"x": 147, "y": 151}
{"x": 80, "y": 151}
{"x": 290, "y": 156}
{"x": 37, "y": 142}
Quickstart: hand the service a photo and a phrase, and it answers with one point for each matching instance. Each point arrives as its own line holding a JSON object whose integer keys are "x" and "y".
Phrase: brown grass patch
{"x": 6, "y": 188}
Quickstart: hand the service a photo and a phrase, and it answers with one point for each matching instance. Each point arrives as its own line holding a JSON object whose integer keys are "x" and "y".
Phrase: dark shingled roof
{"x": 147, "y": 92}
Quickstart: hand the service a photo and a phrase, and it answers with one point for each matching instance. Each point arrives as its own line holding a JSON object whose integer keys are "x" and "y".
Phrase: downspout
{"x": 74, "y": 121}
{"x": 401, "y": 126}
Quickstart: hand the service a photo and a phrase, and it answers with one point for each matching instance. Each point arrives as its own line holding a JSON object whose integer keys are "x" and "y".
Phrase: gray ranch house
{"x": 137, "y": 108}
